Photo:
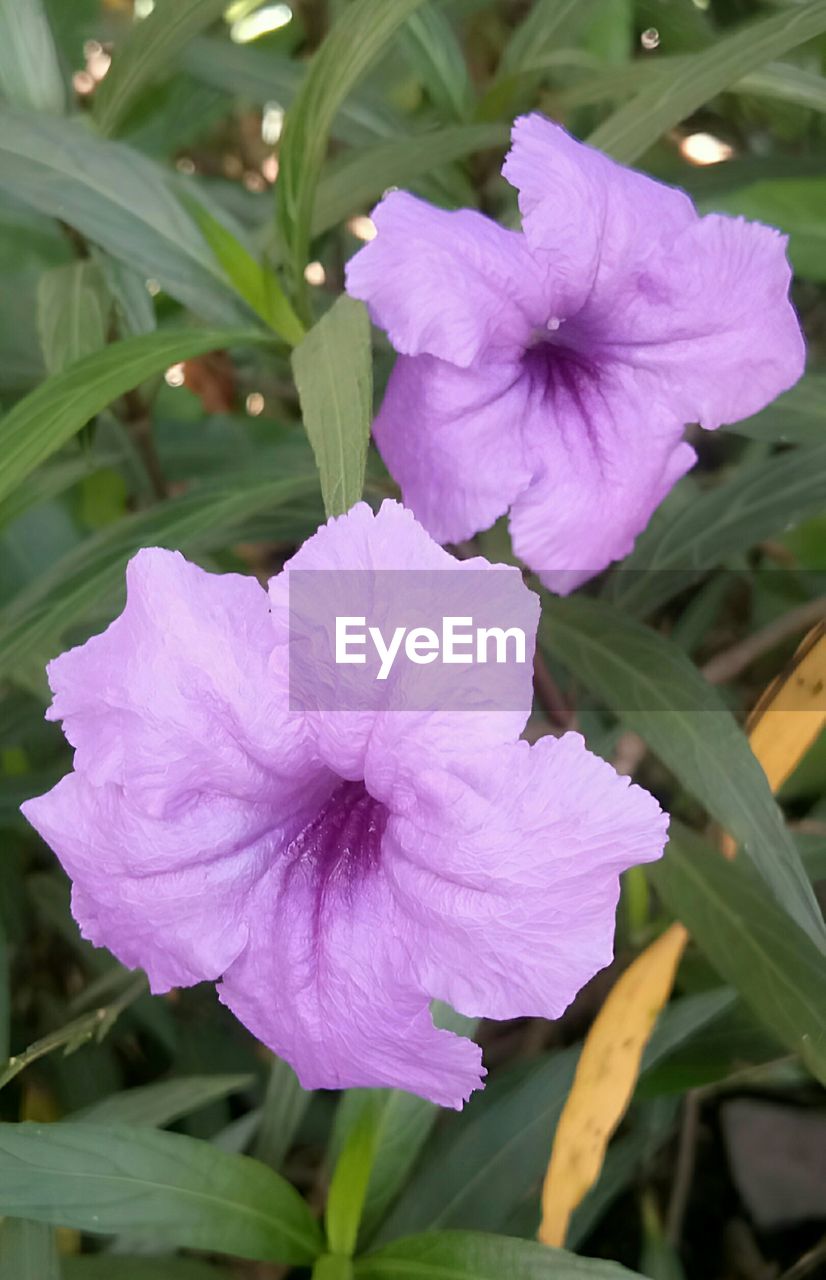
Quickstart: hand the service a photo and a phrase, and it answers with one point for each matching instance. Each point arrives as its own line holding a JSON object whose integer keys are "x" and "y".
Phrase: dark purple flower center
{"x": 553, "y": 365}
{"x": 341, "y": 844}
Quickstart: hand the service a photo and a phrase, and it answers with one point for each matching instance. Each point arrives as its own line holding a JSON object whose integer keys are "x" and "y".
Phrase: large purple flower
{"x": 334, "y": 870}
{"x": 552, "y": 371}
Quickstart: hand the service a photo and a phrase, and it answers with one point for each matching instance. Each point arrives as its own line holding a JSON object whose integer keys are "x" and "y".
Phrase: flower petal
{"x": 711, "y": 322}
{"x": 452, "y": 440}
{"x": 387, "y": 566}
{"x": 609, "y": 457}
{"x": 331, "y": 991}
{"x": 509, "y": 866}
{"x": 174, "y": 698}
{"x": 587, "y": 218}
{"x": 452, "y": 285}
{"x": 165, "y": 895}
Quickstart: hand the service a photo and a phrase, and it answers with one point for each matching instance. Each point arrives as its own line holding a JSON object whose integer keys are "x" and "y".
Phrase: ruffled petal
{"x": 711, "y": 323}
{"x": 452, "y": 285}
{"x": 168, "y": 895}
{"x": 332, "y": 990}
{"x": 178, "y": 695}
{"x": 587, "y": 219}
{"x": 608, "y": 458}
{"x": 386, "y": 568}
{"x": 453, "y": 441}
{"x": 508, "y": 863}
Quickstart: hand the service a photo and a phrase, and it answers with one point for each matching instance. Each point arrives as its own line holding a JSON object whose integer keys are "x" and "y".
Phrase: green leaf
{"x": 260, "y": 76}
{"x": 352, "y": 44}
{"x": 359, "y": 178}
{"x": 146, "y": 53}
{"x": 117, "y": 198}
{"x": 98, "y": 1266}
{"x": 470, "y": 1255}
{"x": 72, "y": 313}
{"x": 787, "y": 83}
{"x": 161, "y": 1104}
{"x": 405, "y": 1122}
{"x": 29, "y": 68}
{"x": 660, "y": 106}
{"x": 754, "y": 503}
{"x": 255, "y": 282}
{"x": 436, "y": 56}
{"x": 168, "y": 1188}
{"x": 796, "y": 206}
{"x": 657, "y": 691}
{"x": 750, "y": 940}
{"x": 284, "y": 1105}
{"x": 493, "y": 1157}
{"x": 56, "y": 410}
{"x": 348, "y": 1186}
{"x": 547, "y": 25}
{"x": 334, "y": 375}
{"x": 28, "y": 1251}
{"x": 796, "y": 417}
{"x": 87, "y": 583}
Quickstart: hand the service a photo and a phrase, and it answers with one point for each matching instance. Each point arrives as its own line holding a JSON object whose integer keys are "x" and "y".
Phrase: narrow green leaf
{"x": 656, "y": 690}
{"x": 436, "y": 56}
{"x": 334, "y": 376}
{"x": 547, "y": 25}
{"x": 405, "y": 1122}
{"x": 786, "y": 82}
{"x": 470, "y": 1255}
{"x": 255, "y": 282}
{"x": 161, "y": 1104}
{"x": 752, "y": 504}
{"x": 284, "y": 1105}
{"x": 146, "y": 54}
{"x": 352, "y": 44}
{"x": 28, "y": 1251}
{"x": 260, "y": 76}
{"x": 87, "y": 583}
{"x": 72, "y": 313}
{"x": 638, "y": 124}
{"x": 486, "y": 1162}
{"x": 171, "y": 1189}
{"x": 358, "y": 178}
{"x": 750, "y": 940}
{"x": 29, "y": 68}
{"x": 51, "y": 479}
{"x": 120, "y": 200}
{"x": 56, "y": 410}
{"x": 333, "y": 1266}
{"x": 795, "y": 205}
{"x": 351, "y": 1176}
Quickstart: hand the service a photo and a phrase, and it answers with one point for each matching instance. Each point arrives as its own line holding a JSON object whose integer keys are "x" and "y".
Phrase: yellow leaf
{"x": 605, "y": 1078}
{"x": 792, "y": 711}
{"x": 783, "y": 725}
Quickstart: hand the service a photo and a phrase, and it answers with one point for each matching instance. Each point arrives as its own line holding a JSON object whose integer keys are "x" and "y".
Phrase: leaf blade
{"x": 334, "y": 375}
{"x": 183, "y": 1192}
{"x": 637, "y": 125}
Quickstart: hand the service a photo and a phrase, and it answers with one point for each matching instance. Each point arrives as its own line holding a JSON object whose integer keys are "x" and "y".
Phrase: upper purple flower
{"x": 334, "y": 870}
{"x": 552, "y": 371}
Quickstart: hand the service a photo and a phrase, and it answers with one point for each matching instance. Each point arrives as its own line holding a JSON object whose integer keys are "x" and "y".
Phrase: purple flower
{"x": 552, "y": 371}
{"x": 334, "y": 871}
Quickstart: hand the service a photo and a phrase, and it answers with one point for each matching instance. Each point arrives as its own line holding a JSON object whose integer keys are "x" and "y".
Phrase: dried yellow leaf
{"x": 605, "y": 1079}
{"x": 792, "y": 711}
